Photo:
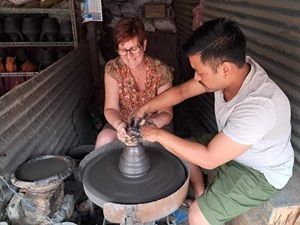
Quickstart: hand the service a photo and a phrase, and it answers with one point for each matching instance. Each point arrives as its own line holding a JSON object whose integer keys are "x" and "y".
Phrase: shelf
{"x": 36, "y": 44}
{"x": 15, "y": 10}
{"x": 56, "y": 11}
{"x": 19, "y": 74}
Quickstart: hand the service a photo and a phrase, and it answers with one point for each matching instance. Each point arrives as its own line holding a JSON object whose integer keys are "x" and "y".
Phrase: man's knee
{"x": 106, "y": 136}
{"x": 195, "y": 215}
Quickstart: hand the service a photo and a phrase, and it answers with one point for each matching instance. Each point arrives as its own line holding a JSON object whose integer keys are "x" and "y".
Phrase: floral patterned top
{"x": 157, "y": 75}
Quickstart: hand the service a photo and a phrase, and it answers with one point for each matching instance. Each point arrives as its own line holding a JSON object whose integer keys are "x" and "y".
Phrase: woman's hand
{"x": 149, "y": 133}
{"x": 121, "y": 131}
{"x": 124, "y": 136}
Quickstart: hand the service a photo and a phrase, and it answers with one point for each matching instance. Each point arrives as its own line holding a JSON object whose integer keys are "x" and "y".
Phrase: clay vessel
{"x": 1, "y": 30}
{"x": 47, "y": 58}
{"x": 21, "y": 54}
{"x": 2, "y": 53}
{"x": 31, "y": 28}
{"x": 50, "y": 29}
{"x": 28, "y": 66}
{"x": 35, "y": 55}
{"x": 66, "y": 31}
{"x": 12, "y": 28}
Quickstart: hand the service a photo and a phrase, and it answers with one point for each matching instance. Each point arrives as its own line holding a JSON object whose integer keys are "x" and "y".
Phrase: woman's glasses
{"x": 133, "y": 50}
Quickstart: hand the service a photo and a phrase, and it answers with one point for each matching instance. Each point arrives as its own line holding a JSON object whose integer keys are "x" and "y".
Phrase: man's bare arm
{"x": 171, "y": 97}
{"x": 210, "y": 157}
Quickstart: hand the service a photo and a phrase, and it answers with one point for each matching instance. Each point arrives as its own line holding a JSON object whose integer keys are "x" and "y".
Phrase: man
{"x": 251, "y": 156}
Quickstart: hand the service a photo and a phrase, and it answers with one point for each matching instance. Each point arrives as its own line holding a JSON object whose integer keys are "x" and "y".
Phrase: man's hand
{"x": 149, "y": 133}
{"x": 147, "y": 122}
{"x": 139, "y": 113}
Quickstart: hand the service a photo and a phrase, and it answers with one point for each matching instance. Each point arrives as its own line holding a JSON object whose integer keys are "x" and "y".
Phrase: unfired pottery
{"x": 12, "y": 28}
{"x": 31, "y": 28}
{"x": 47, "y": 58}
{"x": 50, "y": 29}
{"x": 66, "y": 31}
{"x": 1, "y": 30}
{"x": 21, "y": 54}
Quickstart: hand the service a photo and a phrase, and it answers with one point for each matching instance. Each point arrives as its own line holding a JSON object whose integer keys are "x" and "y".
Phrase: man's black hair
{"x": 217, "y": 41}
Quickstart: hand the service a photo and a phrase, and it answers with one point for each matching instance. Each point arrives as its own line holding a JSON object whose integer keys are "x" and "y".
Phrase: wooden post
{"x": 98, "y": 81}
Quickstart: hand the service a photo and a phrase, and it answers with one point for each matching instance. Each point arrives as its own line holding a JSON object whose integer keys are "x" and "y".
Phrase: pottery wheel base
{"x": 103, "y": 182}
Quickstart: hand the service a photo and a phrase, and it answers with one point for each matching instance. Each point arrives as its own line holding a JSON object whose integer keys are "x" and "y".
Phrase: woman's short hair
{"x": 128, "y": 28}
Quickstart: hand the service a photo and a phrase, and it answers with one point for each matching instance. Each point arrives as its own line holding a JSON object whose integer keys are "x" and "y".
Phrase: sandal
{"x": 179, "y": 216}
{"x": 187, "y": 203}
{"x": 84, "y": 206}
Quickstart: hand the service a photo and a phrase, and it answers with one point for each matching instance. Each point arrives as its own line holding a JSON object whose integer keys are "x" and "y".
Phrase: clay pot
{"x": 47, "y": 58}
{"x": 21, "y": 54}
{"x": 66, "y": 31}
{"x": 1, "y": 30}
{"x": 50, "y": 29}
{"x": 12, "y": 28}
{"x": 2, "y": 53}
{"x": 28, "y": 66}
{"x": 31, "y": 28}
{"x": 35, "y": 55}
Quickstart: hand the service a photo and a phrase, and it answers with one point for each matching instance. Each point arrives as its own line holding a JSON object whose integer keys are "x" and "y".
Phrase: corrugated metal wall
{"x": 272, "y": 29}
{"x": 48, "y": 113}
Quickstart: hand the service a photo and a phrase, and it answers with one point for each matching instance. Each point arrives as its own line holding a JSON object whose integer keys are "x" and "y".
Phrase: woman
{"x": 131, "y": 80}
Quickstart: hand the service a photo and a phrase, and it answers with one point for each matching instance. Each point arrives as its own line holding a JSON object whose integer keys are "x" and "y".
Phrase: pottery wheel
{"x": 42, "y": 168}
{"x": 103, "y": 180}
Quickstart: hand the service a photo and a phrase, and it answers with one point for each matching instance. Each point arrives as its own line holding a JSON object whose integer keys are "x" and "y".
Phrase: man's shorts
{"x": 235, "y": 189}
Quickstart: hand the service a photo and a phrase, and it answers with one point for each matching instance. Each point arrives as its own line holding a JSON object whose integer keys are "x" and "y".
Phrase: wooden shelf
{"x": 16, "y": 10}
{"x": 19, "y": 74}
{"x": 36, "y": 44}
{"x": 8, "y": 11}
{"x": 56, "y": 11}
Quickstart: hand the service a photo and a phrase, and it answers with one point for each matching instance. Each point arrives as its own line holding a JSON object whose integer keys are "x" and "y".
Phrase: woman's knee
{"x": 106, "y": 136}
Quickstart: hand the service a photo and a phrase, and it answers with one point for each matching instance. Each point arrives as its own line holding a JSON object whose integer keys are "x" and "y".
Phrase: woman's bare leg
{"x": 106, "y": 136}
